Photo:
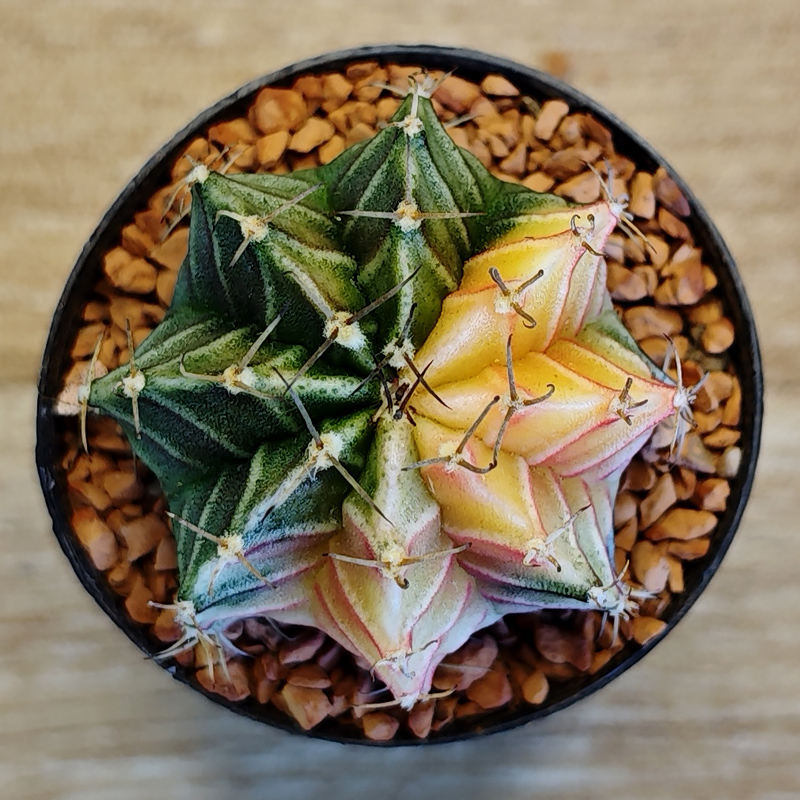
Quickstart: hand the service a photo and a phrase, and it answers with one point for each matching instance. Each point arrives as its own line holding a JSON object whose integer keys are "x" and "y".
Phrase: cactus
{"x": 391, "y": 400}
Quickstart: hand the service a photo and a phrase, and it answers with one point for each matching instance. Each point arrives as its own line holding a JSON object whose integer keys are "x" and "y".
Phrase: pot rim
{"x": 155, "y": 172}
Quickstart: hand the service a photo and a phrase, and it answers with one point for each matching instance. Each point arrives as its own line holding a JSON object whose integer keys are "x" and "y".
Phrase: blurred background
{"x": 88, "y": 90}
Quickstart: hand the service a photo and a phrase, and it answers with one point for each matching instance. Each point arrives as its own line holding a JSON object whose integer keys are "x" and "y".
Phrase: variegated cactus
{"x": 390, "y": 400}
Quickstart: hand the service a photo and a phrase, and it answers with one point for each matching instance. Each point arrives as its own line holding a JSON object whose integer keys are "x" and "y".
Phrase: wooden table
{"x": 88, "y": 90}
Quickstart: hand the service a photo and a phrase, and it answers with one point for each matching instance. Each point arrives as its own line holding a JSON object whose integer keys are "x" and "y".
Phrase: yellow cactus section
{"x": 532, "y": 410}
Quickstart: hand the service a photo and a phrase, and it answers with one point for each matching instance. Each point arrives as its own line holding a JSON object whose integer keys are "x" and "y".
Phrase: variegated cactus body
{"x": 391, "y": 400}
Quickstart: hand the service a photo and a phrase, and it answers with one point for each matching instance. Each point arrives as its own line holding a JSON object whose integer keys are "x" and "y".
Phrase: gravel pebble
{"x": 96, "y": 537}
{"x": 499, "y": 86}
{"x": 303, "y": 648}
{"x": 270, "y": 148}
{"x": 644, "y": 321}
{"x": 315, "y": 131}
{"x": 142, "y": 535}
{"x": 277, "y": 109}
{"x": 718, "y": 336}
{"x": 712, "y": 494}
{"x": 583, "y": 188}
{"x": 335, "y": 89}
{"x": 379, "y": 726}
{"x": 661, "y": 498}
{"x": 308, "y": 706}
{"x": 647, "y": 628}
{"x": 682, "y": 523}
{"x": 457, "y": 94}
{"x": 649, "y": 565}
{"x": 643, "y": 199}
{"x": 553, "y": 111}
{"x": 669, "y": 195}
{"x": 492, "y": 690}
{"x": 535, "y": 688}
{"x": 137, "y": 603}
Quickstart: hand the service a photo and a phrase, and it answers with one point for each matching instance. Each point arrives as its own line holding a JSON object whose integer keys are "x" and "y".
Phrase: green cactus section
{"x": 279, "y": 508}
{"x": 391, "y": 400}
{"x": 411, "y": 201}
{"x": 192, "y": 424}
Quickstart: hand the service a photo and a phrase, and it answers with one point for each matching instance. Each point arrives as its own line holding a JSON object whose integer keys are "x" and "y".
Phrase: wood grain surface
{"x": 88, "y": 90}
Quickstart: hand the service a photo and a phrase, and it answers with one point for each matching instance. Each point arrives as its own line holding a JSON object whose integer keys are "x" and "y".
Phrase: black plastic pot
{"x": 155, "y": 174}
